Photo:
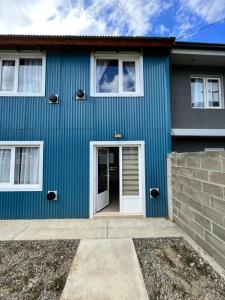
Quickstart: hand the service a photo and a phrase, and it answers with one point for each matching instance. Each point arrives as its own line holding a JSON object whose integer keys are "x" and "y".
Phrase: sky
{"x": 115, "y": 17}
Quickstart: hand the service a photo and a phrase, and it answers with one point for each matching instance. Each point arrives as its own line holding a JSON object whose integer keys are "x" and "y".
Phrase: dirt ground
{"x": 35, "y": 269}
{"x": 172, "y": 270}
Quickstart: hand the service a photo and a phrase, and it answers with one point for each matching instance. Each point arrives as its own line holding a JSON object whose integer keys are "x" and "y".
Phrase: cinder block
{"x": 191, "y": 183}
{"x": 187, "y": 172}
{"x": 181, "y": 162}
{"x": 200, "y": 219}
{"x": 213, "y": 189}
{"x": 173, "y": 160}
{"x": 187, "y": 210}
{"x": 218, "y": 204}
{"x": 219, "y": 231}
{"x": 213, "y": 215}
{"x": 183, "y": 217}
{"x": 223, "y": 165}
{"x": 217, "y": 177}
{"x": 196, "y": 205}
{"x": 201, "y": 174}
{"x": 211, "y": 164}
{"x": 219, "y": 258}
{"x": 197, "y": 195}
{"x": 205, "y": 246}
{"x": 196, "y": 227}
{"x": 188, "y": 230}
{"x": 215, "y": 242}
{"x": 176, "y": 203}
{"x": 174, "y": 210}
{"x": 194, "y": 162}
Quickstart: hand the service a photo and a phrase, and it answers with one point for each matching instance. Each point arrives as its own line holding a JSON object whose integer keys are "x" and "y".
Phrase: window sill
{"x": 116, "y": 95}
{"x": 22, "y": 95}
{"x": 21, "y": 189}
{"x": 203, "y": 108}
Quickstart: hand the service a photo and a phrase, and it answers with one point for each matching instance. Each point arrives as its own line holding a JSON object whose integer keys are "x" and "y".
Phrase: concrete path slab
{"x": 53, "y": 229}
{"x": 87, "y": 229}
{"x": 142, "y": 228}
{"x": 105, "y": 270}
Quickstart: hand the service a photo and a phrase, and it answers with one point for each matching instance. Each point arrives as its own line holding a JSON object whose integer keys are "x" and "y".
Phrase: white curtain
{"x": 129, "y": 78}
{"x": 7, "y": 75}
{"x": 197, "y": 92}
{"x": 30, "y": 75}
{"x": 27, "y": 165}
{"x": 213, "y": 92}
{"x": 101, "y": 66}
{"x": 5, "y": 156}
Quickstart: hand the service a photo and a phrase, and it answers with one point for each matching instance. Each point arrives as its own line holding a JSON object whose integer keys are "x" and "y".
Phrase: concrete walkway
{"x": 106, "y": 266}
{"x": 105, "y": 270}
{"x": 87, "y": 229}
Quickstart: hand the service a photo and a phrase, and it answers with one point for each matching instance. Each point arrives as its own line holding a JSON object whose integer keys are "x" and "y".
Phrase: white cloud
{"x": 99, "y": 17}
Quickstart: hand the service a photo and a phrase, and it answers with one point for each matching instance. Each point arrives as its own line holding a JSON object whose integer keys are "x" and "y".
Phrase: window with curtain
{"x": 22, "y": 75}
{"x": 117, "y": 75}
{"x": 206, "y": 92}
{"x": 7, "y": 75}
{"x": 30, "y": 73}
{"x": 19, "y": 166}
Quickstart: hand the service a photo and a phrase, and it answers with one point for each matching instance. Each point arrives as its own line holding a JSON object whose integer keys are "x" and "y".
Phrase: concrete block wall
{"x": 198, "y": 199}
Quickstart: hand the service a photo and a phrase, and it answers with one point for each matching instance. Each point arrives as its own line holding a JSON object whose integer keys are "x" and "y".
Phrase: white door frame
{"x": 93, "y": 170}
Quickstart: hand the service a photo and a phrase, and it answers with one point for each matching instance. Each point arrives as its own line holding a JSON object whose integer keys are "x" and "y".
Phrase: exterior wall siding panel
{"x": 68, "y": 127}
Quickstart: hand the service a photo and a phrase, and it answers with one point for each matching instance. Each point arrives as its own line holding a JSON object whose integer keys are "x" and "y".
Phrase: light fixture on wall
{"x": 80, "y": 94}
{"x": 154, "y": 192}
{"x": 117, "y": 135}
{"x": 52, "y": 195}
{"x": 53, "y": 99}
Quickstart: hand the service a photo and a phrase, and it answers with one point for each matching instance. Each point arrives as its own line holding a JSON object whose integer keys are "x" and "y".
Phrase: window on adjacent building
{"x": 206, "y": 92}
{"x": 21, "y": 166}
{"x": 116, "y": 75}
{"x": 22, "y": 74}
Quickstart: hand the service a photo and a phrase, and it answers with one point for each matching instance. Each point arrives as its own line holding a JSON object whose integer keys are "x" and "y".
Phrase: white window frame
{"x": 123, "y": 56}
{"x": 16, "y": 56}
{"x": 11, "y": 186}
{"x": 205, "y": 80}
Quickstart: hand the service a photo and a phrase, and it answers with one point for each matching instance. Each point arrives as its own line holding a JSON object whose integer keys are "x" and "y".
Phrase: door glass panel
{"x": 130, "y": 171}
{"x": 102, "y": 171}
{"x": 213, "y": 92}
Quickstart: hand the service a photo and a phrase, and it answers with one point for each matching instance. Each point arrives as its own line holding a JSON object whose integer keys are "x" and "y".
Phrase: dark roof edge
{"x": 199, "y": 46}
{"x": 50, "y": 41}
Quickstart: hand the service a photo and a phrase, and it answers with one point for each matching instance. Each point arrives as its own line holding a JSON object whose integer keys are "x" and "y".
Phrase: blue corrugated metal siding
{"x": 68, "y": 128}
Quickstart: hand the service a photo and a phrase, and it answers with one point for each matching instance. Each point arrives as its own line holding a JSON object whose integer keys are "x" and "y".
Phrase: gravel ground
{"x": 35, "y": 269}
{"x": 173, "y": 270}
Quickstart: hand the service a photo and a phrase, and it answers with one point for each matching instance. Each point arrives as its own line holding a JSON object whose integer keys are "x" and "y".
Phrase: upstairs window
{"x": 206, "y": 92}
{"x": 116, "y": 75}
{"x": 22, "y": 74}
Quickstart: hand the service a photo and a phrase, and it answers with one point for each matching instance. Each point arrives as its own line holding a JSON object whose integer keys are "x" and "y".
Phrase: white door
{"x": 102, "y": 178}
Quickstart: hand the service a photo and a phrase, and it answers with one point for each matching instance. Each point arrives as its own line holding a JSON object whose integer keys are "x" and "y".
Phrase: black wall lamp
{"x": 52, "y": 195}
{"x": 53, "y": 99}
{"x": 154, "y": 192}
{"x": 80, "y": 94}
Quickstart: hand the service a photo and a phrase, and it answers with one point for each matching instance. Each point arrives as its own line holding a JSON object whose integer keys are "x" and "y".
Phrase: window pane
{"x": 26, "y": 165}
{"x": 107, "y": 73}
{"x": 30, "y": 75}
{"x": 213, "y": 93}
{"x": 5, "y": 156}
{"x": 7, "y": 75}
{"x": 130, "y": 171}
{"x": 129, "y": 76}
{"x": 197, "y": 92}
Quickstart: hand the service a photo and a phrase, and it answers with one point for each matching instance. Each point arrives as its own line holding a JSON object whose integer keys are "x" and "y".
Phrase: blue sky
{"x": 115, "y": 17}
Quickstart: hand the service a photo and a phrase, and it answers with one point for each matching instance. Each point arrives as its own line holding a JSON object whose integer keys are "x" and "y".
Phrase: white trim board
{"x": 197, "y": 132}
{"x": 198, "y": 52}
{"x": 92, "y": 174}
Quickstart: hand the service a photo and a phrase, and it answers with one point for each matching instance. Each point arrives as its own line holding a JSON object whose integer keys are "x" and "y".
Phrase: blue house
{"x": 84, "y": 126}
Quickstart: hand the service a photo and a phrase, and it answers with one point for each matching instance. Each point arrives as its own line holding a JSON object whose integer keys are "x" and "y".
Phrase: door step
{"x": 108, "y": 215}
